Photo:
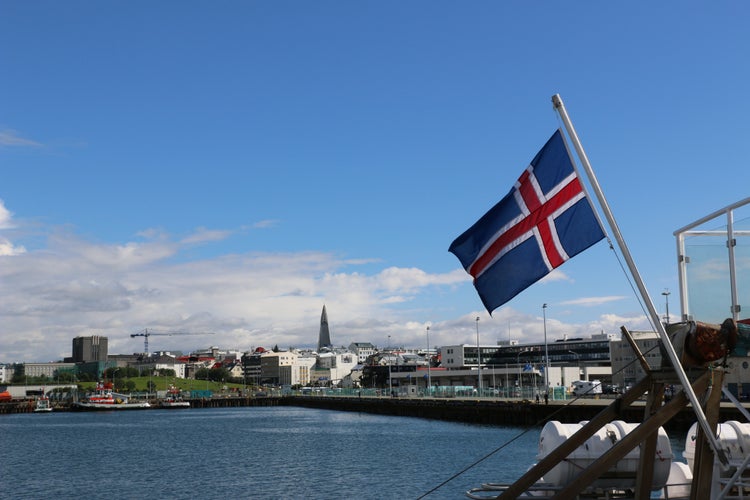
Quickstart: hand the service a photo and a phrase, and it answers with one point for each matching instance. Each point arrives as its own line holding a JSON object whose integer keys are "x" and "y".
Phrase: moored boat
{"x": 104, "y": 398}
{"x": 174, "y": 399}
{"x": 43, "y": 404}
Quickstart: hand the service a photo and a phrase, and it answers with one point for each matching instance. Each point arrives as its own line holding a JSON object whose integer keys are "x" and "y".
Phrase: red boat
{"x": 104, "y": 398}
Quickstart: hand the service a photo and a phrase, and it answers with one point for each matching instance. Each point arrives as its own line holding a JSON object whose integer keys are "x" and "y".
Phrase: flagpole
{"x": 668, "y": 347}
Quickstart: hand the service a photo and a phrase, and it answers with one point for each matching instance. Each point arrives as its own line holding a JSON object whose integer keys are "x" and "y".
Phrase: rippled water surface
{"x": 262, "y": 453}
{"x": 251, "y": 453}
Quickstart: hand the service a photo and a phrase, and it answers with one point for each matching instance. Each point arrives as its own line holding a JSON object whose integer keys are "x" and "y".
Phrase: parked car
{"x": 611, "y": 389}
{"x": 587, "y": 387}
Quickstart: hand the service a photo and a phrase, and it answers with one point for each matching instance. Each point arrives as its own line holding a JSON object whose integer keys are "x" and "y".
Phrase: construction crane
{"x": 146, "y": 333}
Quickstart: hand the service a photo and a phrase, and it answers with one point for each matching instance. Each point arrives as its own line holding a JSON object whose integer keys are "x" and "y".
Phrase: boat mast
{"x": 668, "y": 347}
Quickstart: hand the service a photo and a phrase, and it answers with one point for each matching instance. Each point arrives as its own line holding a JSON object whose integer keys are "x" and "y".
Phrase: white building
{"x": 163, "y": 362}
{"x": 235, "y": 370}
{"x": 340, "y": 364}
{"x": 47, "y": 369}
{"x": 568, "y": 359}
{"x": 217, "y": 353}
{"x": 363, "y": 350}
{"x": 279, "y": 368}
{"x": 626, "y": 369}
{"x": 306, "y": 362}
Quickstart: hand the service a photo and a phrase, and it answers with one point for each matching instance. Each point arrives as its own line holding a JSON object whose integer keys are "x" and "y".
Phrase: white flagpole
{"x": 687, "y": 387}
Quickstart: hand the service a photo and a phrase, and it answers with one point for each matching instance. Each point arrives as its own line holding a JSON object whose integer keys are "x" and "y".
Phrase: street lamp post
{"x": 546, "y": 352}
{"x": 398, "y": 370}
{"x": 507, "y": 384}
{"x": 390, "y": 380}
{"x": 666, "y": 298}
{"x": 578, "y": 366}
{"x": 479, "y": 363}
{"x": 520, "y": 373}
{"x": 429, "y": 377}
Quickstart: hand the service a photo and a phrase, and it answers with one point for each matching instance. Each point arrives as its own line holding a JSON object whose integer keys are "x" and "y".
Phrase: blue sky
{"x": 232, "y": 167}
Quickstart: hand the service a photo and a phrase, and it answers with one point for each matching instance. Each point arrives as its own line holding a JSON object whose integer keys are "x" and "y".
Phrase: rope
{"x": 521, "y": 434}
{"x": 645, "y": 313}
{"x": 471, "y": 466}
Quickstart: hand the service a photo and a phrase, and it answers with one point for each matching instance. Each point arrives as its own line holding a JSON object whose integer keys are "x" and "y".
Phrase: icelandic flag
{"x": 543, "y": 221}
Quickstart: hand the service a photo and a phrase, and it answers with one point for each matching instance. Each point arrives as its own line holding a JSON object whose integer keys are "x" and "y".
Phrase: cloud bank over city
{"x": 72, "y": 286}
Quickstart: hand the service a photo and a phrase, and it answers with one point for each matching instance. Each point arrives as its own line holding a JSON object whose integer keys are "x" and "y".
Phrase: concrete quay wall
{"x": 468, "y": 410}
{"x": 495, "y": 412}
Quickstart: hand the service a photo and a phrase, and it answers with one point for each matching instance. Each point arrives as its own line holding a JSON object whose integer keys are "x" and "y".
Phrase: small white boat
{"x": 43, "y": 404}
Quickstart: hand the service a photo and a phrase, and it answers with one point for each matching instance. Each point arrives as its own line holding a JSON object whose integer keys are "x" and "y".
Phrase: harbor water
{"x": 266, "y": 452}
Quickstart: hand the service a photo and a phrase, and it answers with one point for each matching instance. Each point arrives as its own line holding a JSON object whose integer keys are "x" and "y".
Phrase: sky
{"x": 227, "y": 169}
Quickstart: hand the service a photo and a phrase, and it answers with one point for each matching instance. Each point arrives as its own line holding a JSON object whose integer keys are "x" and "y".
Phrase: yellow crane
{"x": 146, "y": 333}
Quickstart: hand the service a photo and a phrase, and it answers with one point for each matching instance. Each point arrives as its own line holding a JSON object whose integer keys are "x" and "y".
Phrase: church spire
{"x": 324, "y": 337}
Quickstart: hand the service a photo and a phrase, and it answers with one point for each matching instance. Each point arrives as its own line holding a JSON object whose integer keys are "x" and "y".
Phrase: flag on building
{"x": 543, "y": 221}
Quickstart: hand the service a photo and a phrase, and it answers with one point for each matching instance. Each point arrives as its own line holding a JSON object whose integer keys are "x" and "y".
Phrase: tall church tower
{"x": 324, "y": 337}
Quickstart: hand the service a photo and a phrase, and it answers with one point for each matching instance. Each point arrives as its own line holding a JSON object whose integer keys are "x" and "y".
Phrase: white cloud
{"x": 76, "y": 287}
{"x": 202, "y": 235}
{"x": 555, "y": 275}
{"x": 592, "y": 301}
{"x": 5, "y": 217}
{"x": 9, "y": 137}
{"x": 7, "y": 247}
{"x": 395, "y": 278}
{"x": 265, "y": 224}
